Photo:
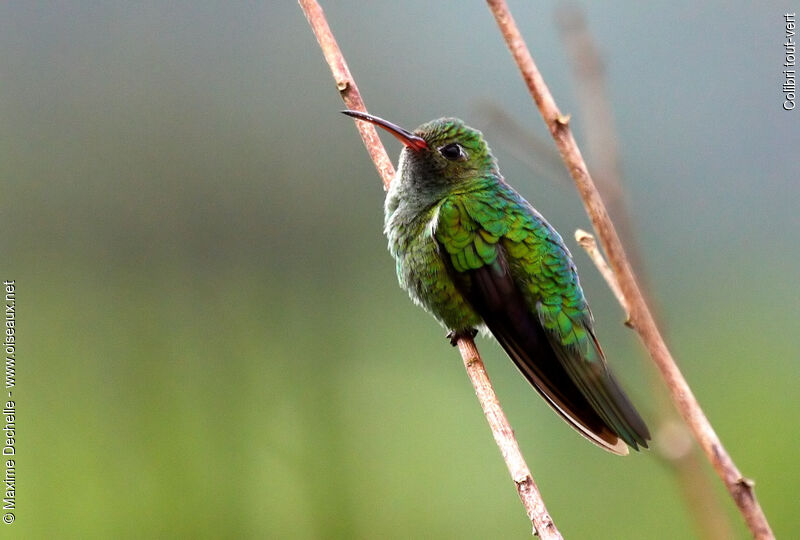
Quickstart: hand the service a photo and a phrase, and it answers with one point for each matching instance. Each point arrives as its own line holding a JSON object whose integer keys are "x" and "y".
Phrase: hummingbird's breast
{"x": 421, "y": 270}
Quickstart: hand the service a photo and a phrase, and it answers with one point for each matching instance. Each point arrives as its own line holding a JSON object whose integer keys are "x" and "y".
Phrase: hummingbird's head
{"x": 453, "y": 150}
{"x": 439, "y": 153}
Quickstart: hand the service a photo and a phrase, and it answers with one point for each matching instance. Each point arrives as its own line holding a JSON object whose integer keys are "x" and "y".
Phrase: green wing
{"x": 515, "y": 271}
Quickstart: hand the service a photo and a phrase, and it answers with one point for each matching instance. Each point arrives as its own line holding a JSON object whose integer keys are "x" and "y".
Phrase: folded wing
{"x": 515, "y": 271}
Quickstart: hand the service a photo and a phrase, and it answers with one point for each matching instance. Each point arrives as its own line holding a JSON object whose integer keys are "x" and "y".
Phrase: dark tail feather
{"x": 542, "y": 369}
{"x": 496, "y": 298}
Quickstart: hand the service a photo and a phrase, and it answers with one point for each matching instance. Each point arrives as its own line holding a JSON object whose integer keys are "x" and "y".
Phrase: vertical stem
{"x": 740, "y": 488}
{"x": 672, "y": 439}
{"x": 598, "y": 119}
{"x": 347, "y": 87}
{"x": 504, "y": 437}
{"x": 501, "y": 429}
{"x": 701, "y": 500}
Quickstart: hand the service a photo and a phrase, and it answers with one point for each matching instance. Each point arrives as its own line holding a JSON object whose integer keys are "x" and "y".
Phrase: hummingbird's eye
{"x": 453, "y": 152}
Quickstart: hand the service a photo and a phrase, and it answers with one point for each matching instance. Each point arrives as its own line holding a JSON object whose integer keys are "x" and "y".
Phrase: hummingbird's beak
{"x": 406, "y": 137}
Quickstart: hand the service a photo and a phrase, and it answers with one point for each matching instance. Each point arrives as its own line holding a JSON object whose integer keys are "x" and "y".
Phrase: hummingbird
{"x": 477, "y": 256}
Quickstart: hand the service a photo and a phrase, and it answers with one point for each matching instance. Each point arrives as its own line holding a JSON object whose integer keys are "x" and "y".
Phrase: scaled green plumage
{"x": 475, "y": 254}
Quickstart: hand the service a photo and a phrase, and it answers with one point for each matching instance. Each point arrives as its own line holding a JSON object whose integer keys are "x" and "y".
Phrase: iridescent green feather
{"x": 474, "y": 253}
{"x": 474, "y": 226}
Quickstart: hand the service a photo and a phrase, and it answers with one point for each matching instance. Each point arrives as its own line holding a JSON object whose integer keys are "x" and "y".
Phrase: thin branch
{"x": 588, "y": 243}
{"x": 673, "y": 440}
{"x": 501, "y": 429}
{"x": 739, "y": 487}
{"x": 531, "y": 149}
{"x": 504, "y": 437}
{"x": 347, "y": 88}
{"x": 598, "y": 119}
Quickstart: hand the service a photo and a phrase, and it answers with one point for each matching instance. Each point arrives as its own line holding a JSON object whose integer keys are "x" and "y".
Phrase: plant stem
{"x": 597, "y": 116}
{"x": 501, "y": 429}
{"x": 740, "y": 488}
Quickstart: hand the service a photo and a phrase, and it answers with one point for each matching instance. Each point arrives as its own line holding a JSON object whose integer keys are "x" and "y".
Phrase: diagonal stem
{"x": 506, "y": 441}
{"x": 347, "y": 87}
{"x": 543, "y": 524}
{"x": 739, "y": 487}
{"x": 672, "y": 438}
{"x": 588, "y": 243}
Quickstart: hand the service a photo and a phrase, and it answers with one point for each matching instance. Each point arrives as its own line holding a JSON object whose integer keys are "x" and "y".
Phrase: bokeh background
{"x": 212, "y": 343}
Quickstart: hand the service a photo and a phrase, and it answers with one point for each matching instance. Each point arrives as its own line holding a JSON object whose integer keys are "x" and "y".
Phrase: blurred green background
{"x": 212, "y": 343}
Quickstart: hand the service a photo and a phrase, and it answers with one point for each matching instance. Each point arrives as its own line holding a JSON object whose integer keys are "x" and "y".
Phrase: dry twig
{"x": 598, "y": 119}
{"x": 672, "y": 438}
{"x": 503, "y": 434}
{"x": 589, "y": 244}
{"x": 739, "y": 487}
{"x": 535, "y": 151}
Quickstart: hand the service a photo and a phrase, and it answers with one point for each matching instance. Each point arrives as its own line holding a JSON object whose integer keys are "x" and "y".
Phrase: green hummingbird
{"x": 477, "y": 256}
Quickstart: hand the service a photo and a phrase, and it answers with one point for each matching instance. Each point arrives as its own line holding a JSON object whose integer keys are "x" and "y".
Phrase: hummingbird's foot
{"x": 454, "y": 336}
